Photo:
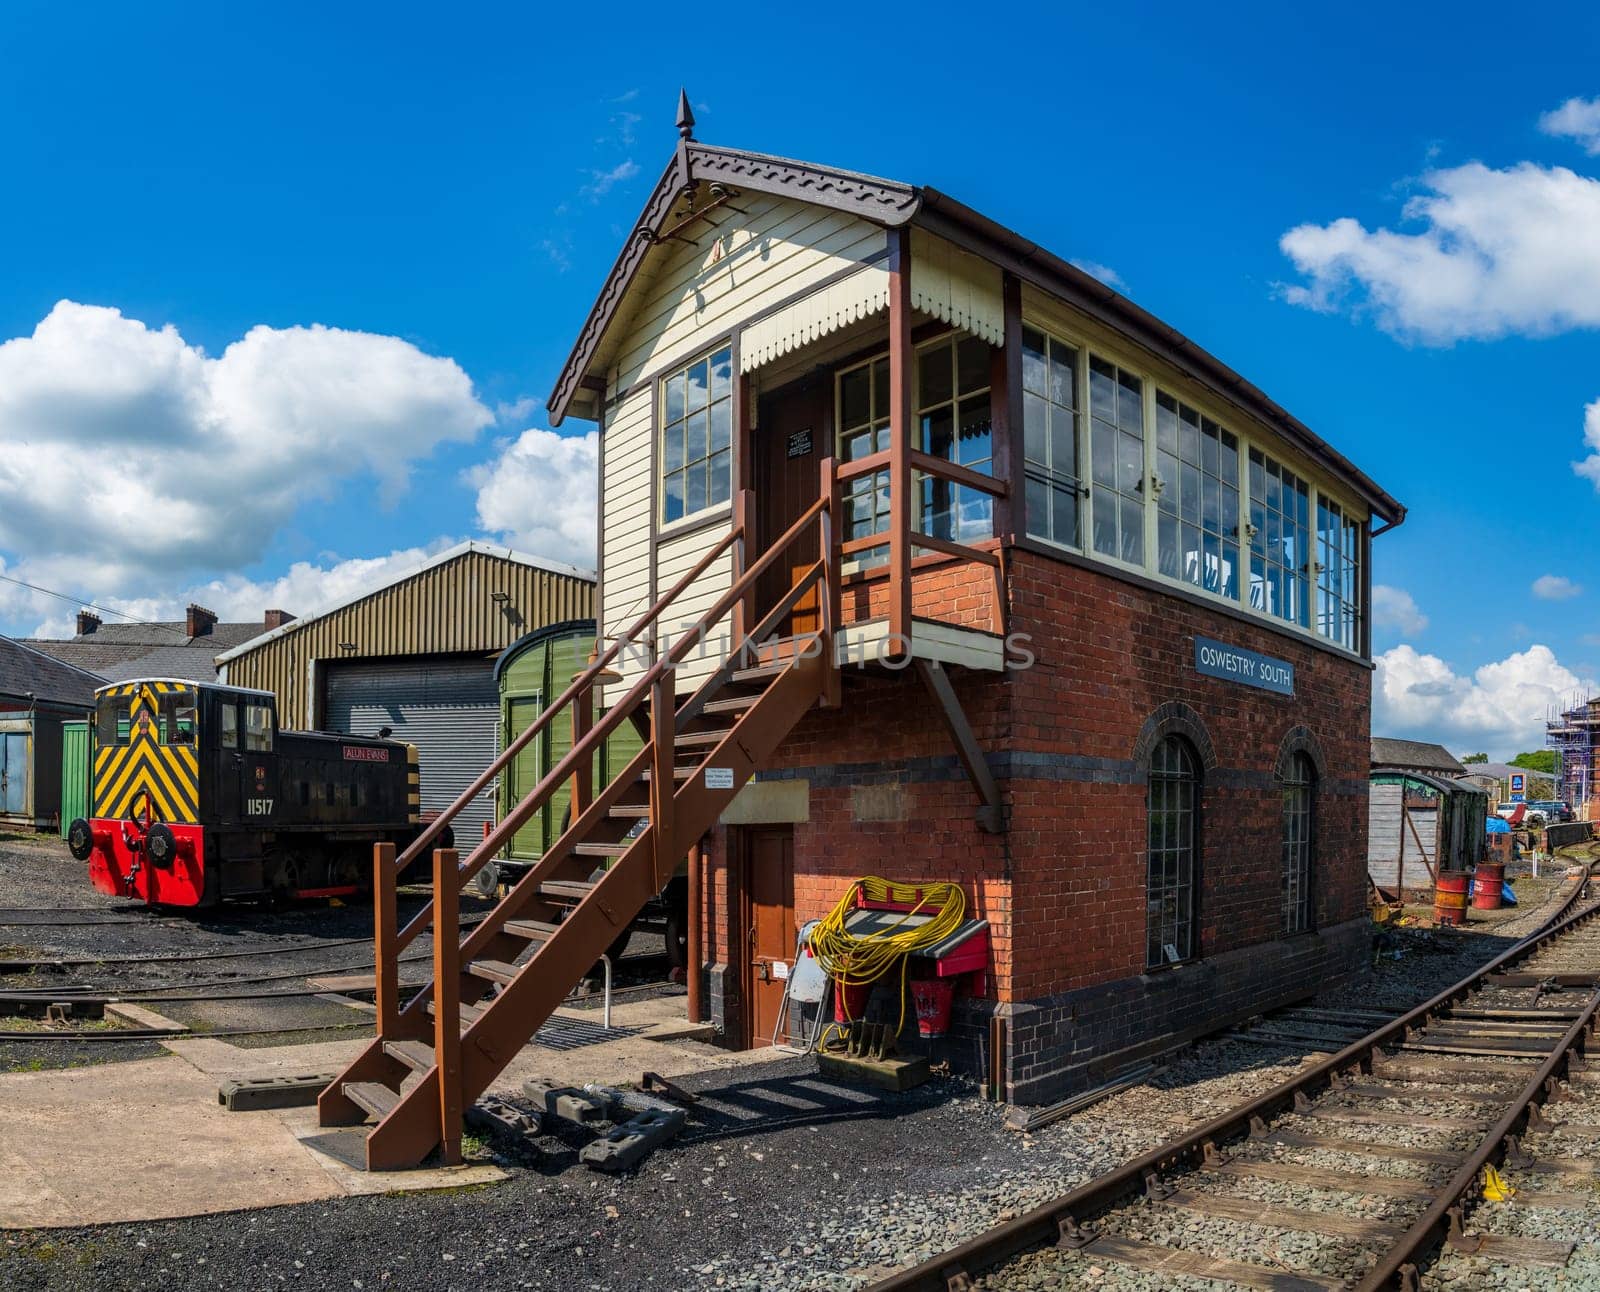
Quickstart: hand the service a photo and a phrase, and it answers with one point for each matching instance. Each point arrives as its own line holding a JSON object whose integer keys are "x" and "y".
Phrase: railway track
{"x": 1361, "y": 1169}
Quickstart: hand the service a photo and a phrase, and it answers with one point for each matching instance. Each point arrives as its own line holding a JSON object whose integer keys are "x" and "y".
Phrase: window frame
{"x": 688, "y": 519}
{"x": 1189, "y": 853}
{"x": 1357, "y": 514}
{"x": 1049, "y": 477}
{"x": 1298, "y": 791}
{"x": 252, "y": 739}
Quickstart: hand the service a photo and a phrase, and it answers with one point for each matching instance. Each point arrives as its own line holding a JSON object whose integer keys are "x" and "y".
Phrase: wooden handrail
{"x": 950, "y": 548}
{"x": 580, "y": 683}
{"x": 873, "y": 462}
{"x": 955, "y": 473}
{"x": 536, "y": 798}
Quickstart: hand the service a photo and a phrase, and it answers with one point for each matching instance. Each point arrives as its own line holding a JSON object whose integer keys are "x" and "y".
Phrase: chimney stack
{"x": 87, "y": 622}
{"x": 277, "y": 619}
{"x": 198, "y": 621}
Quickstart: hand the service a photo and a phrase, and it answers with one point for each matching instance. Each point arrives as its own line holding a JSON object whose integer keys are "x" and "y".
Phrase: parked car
{"x": 1554, "y": 810}
{"x": 1523, "y": 816}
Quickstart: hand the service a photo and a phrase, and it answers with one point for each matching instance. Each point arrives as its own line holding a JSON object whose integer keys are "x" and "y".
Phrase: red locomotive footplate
{"x": 119, "y": 864}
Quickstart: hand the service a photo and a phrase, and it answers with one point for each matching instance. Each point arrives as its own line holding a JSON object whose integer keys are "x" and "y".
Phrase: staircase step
{"x": 533, "y": 930}
{"x": 733, "y": 704}
{"x": 492, "y": 970}
{"x": 699, "y": 739}
{"x": 631, "y": 811}
{"x": 574, "y": 890}
{"x": 762, "y": 672}
{"x": 601, "y": 849}
{"x": 416, "y": 1055}
{"x": 469, "y": 1013}
{"x": 375, "y": 1098}
{"x": 678, "y": 773}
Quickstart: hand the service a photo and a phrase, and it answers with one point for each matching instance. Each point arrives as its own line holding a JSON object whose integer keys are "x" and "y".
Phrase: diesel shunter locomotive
{"x": 197, "y": 796}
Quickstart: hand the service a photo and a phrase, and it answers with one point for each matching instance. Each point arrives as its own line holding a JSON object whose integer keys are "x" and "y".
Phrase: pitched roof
{"x": 450, "y": 554}
{"x": 893, "y": 204}
{"x": 25, "y": 671}
{"x": 1414, "y": 755}
{"x": 117, "y": 652}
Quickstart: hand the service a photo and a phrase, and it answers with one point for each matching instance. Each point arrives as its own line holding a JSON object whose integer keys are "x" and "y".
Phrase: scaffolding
{"x": 1573, "y": 731}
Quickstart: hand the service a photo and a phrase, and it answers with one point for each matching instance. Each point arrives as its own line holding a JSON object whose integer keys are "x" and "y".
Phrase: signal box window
{"x": 258, "y": 729}
{"x": 697, "y": 436}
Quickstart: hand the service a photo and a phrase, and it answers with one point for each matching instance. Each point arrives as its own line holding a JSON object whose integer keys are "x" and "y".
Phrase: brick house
{"x": 924, "y": 554}
{"x": 1177, "y": 848}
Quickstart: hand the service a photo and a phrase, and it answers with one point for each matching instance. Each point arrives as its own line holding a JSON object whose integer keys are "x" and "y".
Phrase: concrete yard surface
{"x": 147, "y": 1140}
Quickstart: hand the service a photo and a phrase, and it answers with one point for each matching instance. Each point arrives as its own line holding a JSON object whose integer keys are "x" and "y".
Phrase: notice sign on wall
{"x": 800, "y": 443}
{"x": 1251, "y": 668}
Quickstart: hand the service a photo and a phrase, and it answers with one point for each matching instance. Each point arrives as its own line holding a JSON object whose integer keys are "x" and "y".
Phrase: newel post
{"x": 829, "y": 526}
{"x": 385, "y": 924}
{"x": 663, "y": 760}
{"x": 447, "y": 999}
{"x": 901, "y": 364}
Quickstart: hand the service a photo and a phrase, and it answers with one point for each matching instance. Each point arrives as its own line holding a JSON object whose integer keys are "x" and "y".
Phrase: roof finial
{"x": 685, "y": 116}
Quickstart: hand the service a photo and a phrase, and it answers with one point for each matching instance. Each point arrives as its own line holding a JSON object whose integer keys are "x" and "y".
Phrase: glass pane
{"x": 972, "y": 447}
{"x": 1064, "y": 443}
{"x": 1103, "y": 454}
{"x": 694, "y": 491}
{"x": 1034, "y": 362}
{"x": 854, "y": 393}
{"x": 1035, "y": 429}
{"x": 699, "y": 385}
{"x": 937, "y": 433}
{"x": 1105, "y": 522}
{"x": 1166, "y": 422}
{"x": 1229, "y": 587}
{"x": 880, "y": 388}
{"x": 1102, "y": 389}
{"x": 672, "y": 448}
{"x": 1208, "y": 449}
{"x": 674, "y": 408}
{"x": 934, "y": 373}
{"x": 1192, "y": 568}
{"x": 694, "y": 441}
{"x": 858, "y": 445}
{"x": 1189, "y": 507}
{"x": 1132, "y": 531}
{"x": 1130, "y": 463}
{"x": 721, "y": 479}
{"x": 721, "y": 425}
{"x": 1037, "y": 503}
{"x": 672, "y": 497}
{"x": 1171, "y": 484}
{"x": 1064, "y": 375}
{"x": 1064, "y": 520}
{"x": 972, "y": 364}
{"x": 1167, "y": 544}
{"x": 721, "y": 374}
{"x": 1130, "y": 403}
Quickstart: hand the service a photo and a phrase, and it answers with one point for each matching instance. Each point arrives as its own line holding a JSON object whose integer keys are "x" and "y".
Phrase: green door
{"x": 74, "y": 773}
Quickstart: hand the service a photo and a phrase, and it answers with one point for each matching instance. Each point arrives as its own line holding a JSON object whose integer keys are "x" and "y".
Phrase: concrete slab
{"x": 176, "y": 1151}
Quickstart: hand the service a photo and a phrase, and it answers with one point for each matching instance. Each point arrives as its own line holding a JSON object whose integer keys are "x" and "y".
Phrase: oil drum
{"x": 1486, "y": 882}
{"x": 1450, "y": 897}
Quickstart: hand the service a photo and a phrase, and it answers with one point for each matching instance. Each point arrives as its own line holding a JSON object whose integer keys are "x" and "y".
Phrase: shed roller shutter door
{"x": 447, "y": 709}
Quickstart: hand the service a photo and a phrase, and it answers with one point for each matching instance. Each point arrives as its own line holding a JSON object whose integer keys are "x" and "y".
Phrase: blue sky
{"x": 445, "y": 189}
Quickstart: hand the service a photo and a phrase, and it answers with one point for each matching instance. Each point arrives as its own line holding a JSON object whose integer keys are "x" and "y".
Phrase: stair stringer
{"x": 412, "y": 1129}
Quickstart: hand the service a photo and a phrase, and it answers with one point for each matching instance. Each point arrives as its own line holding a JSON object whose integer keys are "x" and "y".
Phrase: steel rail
{"x": 1048, "y": 1221}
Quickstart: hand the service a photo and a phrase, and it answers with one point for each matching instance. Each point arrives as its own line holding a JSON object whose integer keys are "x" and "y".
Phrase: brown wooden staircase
{"x": 494, "y": 988}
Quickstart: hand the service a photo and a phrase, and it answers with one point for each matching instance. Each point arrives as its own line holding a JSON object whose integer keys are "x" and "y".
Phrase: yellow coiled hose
{"x": 855, "y": 961}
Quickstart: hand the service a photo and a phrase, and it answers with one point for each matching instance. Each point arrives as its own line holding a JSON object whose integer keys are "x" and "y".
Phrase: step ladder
{"x": 494, "y": 988}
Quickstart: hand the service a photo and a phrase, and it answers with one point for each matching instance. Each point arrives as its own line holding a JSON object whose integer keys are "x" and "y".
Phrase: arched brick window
{"x": 1173, "y": 839}
{"x": 1299, "y": 787}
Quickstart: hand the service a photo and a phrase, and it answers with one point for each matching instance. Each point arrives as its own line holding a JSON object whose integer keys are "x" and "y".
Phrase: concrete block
{"x": 894, "y": 1073}
{"x": 565, "y": 1101}
{"x": 493, "y": 1117}
{"x": 250, "y": 1094}
{"x": 626, "y": 1145}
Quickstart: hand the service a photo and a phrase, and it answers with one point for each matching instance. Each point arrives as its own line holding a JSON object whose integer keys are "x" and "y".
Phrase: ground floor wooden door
{"x": 767, "y": 932}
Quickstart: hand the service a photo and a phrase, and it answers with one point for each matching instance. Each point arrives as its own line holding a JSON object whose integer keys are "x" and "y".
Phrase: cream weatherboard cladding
{"x": 755, "y": 266}
{"x": 861, "y": 295}
{"x": 956, "y": 287}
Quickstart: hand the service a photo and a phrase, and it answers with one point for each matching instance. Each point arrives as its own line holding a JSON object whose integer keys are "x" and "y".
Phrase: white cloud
{"x": 1589, "y": 468}
{"x": 1107, "y": 275}
{"x": 1497, "y": 252}
{"x": 303, "y": 589}
{"x": 128, "y": 456}
{"x": 1555, "y": 587}
{"x": 1576, "y": 119}
{"x": 1502, "y": 705}
{"x": 541, "y": 494}
{"x": 516, "y": 410}
{"x": 602, "y": 182}
{"x": 1396, "y": 608}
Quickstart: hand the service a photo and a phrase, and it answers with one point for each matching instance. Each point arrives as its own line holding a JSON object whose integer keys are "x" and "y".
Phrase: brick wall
{"x": 1064, "y": 887}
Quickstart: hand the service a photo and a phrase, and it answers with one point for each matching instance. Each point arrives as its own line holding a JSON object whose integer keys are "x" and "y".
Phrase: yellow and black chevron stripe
{"x": 413, "y": 786}
{"x": 170, "y": 774}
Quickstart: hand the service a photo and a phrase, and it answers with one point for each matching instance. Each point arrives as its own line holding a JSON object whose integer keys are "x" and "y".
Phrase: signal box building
{"x": 1095, "y": 608}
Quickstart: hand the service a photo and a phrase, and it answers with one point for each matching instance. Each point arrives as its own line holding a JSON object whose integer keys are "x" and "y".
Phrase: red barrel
{"x": 1486, "y": 883}
{"x": 850, "y": 1000}
{"x": 1450, "y": 897}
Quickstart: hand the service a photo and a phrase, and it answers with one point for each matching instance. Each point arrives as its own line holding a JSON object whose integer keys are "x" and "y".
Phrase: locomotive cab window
{"x": 178, "y": 717}
{"x": 258, "y": 729}
{"x": 230, "y": 725}
{"x": 112, "y": 723}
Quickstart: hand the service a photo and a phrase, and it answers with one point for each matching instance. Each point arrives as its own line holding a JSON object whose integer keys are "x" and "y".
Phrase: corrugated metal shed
{"x": 473, "y": 599}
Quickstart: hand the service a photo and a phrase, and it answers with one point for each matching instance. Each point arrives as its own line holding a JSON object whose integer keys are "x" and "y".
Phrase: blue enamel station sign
{"x": 1247, "y": 667}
